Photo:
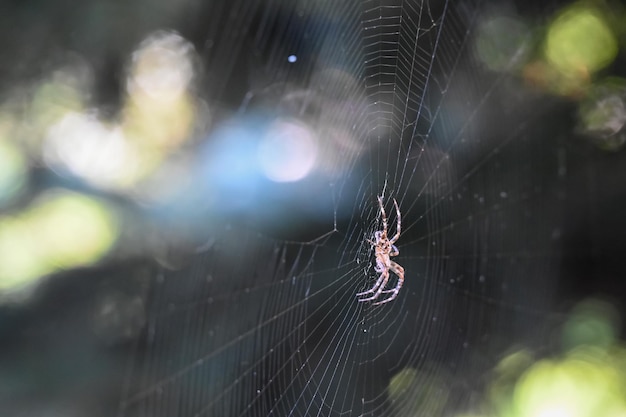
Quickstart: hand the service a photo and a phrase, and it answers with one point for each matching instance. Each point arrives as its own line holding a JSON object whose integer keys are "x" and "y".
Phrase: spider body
{"x": 384, "y": 249}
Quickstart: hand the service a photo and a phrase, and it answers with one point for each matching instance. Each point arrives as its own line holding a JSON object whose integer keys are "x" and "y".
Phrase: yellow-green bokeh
{"x": 13, "y": 171}
{"x": 588, "y": 379}
{"x": 591, "y": 323}
{"x": 61, "y": 230}
{"x": 572, "y": 387}
{"x": 416, "y": 392}
{"x": 401, "y": 382}
{"x": 580, "y": 42}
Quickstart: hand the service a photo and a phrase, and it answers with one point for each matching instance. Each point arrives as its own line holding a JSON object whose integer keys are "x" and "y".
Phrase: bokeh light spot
{"x": 602, "y": 115}
{"x": 13, "y": 171}
{"x": 62, "y": 230}
{"x": 570, "y": 388}
{"x": 502, "y": 43}
{"x": 84, "y": 146}
{"x": 162, "y": 66}
{"x": 287, "y": 152}
{"x": 160, "y": 111}
{"x": 592, "y": 323}
{"x": 401, "y": 382}
{"x": 580, "y": 42}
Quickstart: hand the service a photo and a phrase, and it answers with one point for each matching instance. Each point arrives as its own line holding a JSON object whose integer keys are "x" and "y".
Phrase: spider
{"x": 384, "y": 250}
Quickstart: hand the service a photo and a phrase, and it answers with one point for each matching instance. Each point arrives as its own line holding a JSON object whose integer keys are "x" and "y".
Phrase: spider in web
{"x": 384, "y": 249}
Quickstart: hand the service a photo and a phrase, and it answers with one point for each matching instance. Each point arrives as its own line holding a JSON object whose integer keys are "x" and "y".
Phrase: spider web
{"x": 263, "y": 319}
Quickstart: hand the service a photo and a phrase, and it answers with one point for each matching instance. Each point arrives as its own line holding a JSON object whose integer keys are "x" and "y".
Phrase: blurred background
{"x": 187, "y": 190}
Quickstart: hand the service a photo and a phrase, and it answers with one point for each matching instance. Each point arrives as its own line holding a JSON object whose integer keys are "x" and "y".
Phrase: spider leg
{"x": 379, "y": 281}
{"x": 377, "y": 288}
{"x": 386, "y": 300}
{"x": 399, "y": 271}
{"x": 383, "y": 215}
{"x": 398, "y": 225}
